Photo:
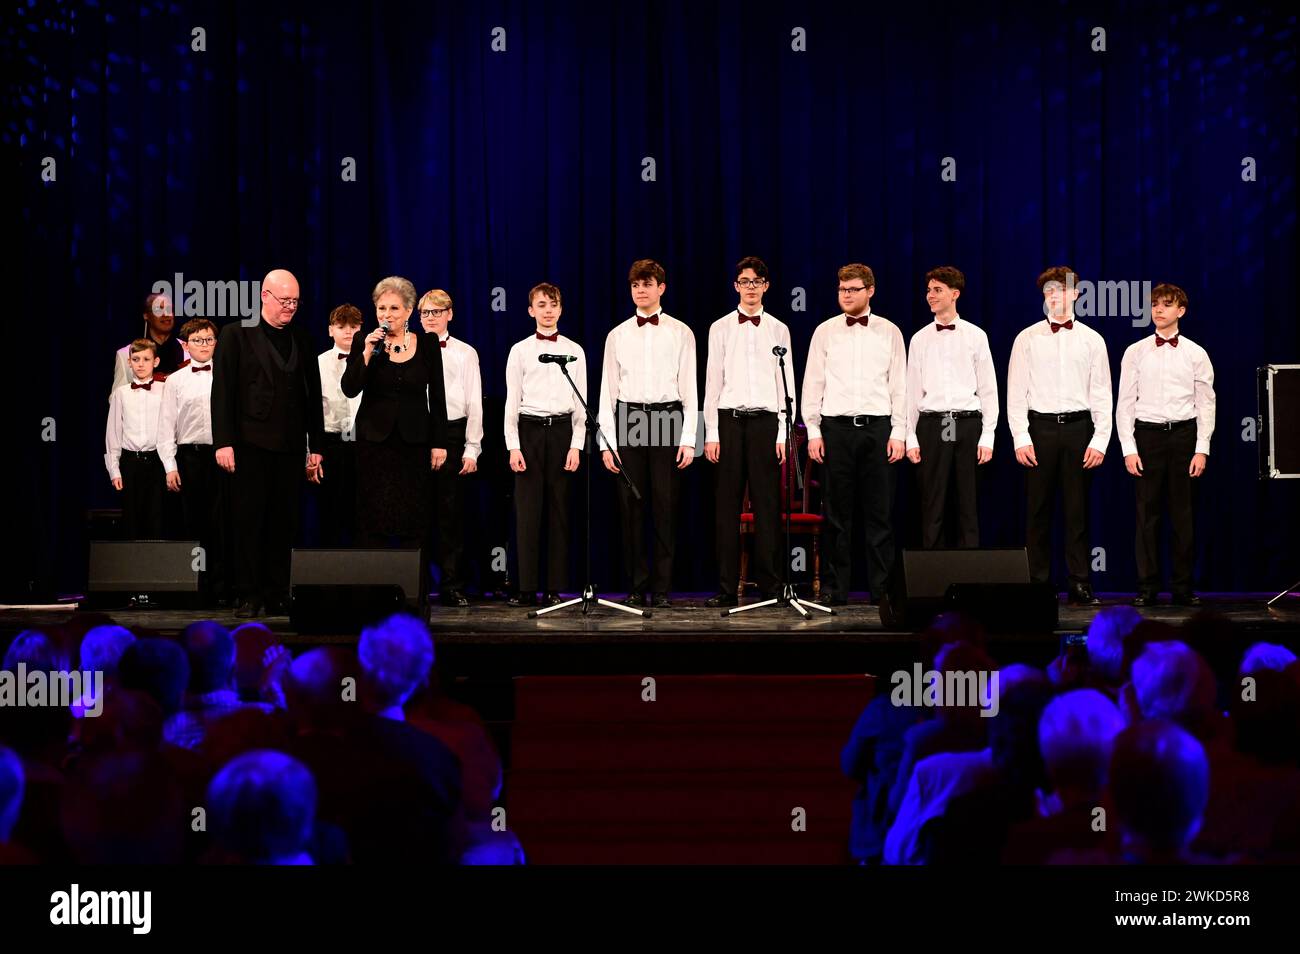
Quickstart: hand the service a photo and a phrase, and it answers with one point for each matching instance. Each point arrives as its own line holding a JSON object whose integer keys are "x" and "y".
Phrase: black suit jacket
{"x": 243, "y": 392}
{"x": 387, "y": 403}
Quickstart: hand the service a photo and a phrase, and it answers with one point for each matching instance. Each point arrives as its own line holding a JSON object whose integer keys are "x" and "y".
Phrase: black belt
{"x": 335, "y": 437}
{"x": 194, "y": 447}
{"x": 951, "y": 414}
{"x": 141, "y": 455}
{"x": 1066, "y": 418}
{"x": 854, "y": 420}
{"x": 745, "y": 412}
{"x": 544, "y": 421}
{"x": 458, "y": 422}
{"x": 1166, "y": 426}
{"x": 661, "y": 406}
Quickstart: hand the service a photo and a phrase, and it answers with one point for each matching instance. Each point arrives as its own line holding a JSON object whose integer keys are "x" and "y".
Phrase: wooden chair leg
{"x": 817, "y": 565}
{"x": 744, "y": 568}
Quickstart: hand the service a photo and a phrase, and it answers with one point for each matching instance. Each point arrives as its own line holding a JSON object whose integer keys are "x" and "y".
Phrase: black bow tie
{"x": 862, "y": 320}
{"x": 940, "y": 327}
{"x": 647, "y": 319}
{"x": 147, "y": 386}
{"x": 196, "y": 368}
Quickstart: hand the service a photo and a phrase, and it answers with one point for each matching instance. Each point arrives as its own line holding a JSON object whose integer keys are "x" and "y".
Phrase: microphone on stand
{"x": 778, "y": 351}
{"x": 556, "y": 358}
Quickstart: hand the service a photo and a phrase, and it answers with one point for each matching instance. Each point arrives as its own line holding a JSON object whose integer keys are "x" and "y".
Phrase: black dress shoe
{"x": 551, "y": 598}
{"x": 1185, "y": 598}
{"x": 453, "y": 598}
{"x": 1081, "y": 594}
{"x": 1145, "y": 598}
{"x": 722, "y": 599}
{"x": 247, "y": 609}
{"x": 634, "y": 599}
{"x": 662, "y": 601}
{"x": 523, "y": 599}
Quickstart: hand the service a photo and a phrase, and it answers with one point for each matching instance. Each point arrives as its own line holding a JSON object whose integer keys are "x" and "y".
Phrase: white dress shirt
{"x": 951, "y": 371}
{"x": 742, "y": 372}
{"x": 464, "y": 386}
{"x": 649, "y": 364}
{"x": 857, "y": 370}
{"x": 186, "y": 415}
{"x": 133, "y": 415}
{"x": 339, "y": 409}
{"x": 541, "y": 390}
{"x": 1164, "y": 384}
{"x": 1056, "y": 373}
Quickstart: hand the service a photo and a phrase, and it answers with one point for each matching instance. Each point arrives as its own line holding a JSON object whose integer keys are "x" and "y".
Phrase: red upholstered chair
{"x": 805, "y": 513}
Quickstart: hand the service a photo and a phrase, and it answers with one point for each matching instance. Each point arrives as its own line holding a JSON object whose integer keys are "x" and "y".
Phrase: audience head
{"x": 11, "y": 792}
{"x": 262, "y": 808}
{"x": 1160, "y": 783}
{"x": 211, "y": 655}
{"x": 1172, "y": 682}
{"x": 314, "y": 688}
{"x": 36, "y": 651}
{"x": 1076, "y": 735}
{"x": 396, "y": 656}
{"x": 158, "y": 668}
{"x": 125, "y": 808}
{"x": 1106, "y": 635}
{"x": 1263, "y": 656}
{"x": 102, "y": 648}
{"x": 1013, "y": 732}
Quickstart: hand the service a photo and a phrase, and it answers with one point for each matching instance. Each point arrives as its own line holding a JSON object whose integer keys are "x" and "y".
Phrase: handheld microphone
{"x": 556, "y": 358}
{"x": 380, "y": 350}
{"x": 779, "y": 351}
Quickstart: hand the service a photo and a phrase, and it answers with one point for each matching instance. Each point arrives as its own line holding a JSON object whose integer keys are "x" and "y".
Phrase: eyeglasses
{"x": 852, "y": 291}
{"x": 751, "y": 282}
{"x": 433, "y": 312}
{"x": 288, "y": 303}
{"x": 201, "y": 342}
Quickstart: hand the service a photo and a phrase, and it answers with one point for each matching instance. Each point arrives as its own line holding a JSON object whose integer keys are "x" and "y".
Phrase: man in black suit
{"x": 266, "y": 411}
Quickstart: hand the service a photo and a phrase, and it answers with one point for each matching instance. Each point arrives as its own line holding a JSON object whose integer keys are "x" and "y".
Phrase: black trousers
{"x": 948, "y": 462}
{"x": 748, "y": 453}
{"x": 1059, "y": 449}
{"x": 265, "y": 515}
{"x": 450, "y": 492}
{"x": 205, "y": 503}
{"x": 143, "y": 486}
{"x": 338, "y": 492}
{"x": 1166, "y": 456}
{"x": 544, "y": 482}
{"x": 652, "y": 465}
{"x": 857, "y": 465}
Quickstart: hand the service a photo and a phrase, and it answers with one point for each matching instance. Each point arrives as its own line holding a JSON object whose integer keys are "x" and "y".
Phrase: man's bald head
{"x": 278, "y": 287}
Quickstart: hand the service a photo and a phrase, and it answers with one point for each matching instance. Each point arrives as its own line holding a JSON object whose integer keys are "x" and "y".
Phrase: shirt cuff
{"x": 986, "y": 440}
{"x": 1021, "y": 439}
{"x": 114, "y": 469}
{"x": 579, "y": 439}
{"x": 711, "y": 435}
{"x": 898, "y": 433}
{"x": 814, "y": 431}
{"x": 471, "y": 452}
{"x": 1203, "y": 447}
{"x": 912, "y": 442}
{"x": 169, "y": 463}
{"x": 1099, "y": 445}
{"x": 688, "y": 439}
{"x": 1128, "y": 448}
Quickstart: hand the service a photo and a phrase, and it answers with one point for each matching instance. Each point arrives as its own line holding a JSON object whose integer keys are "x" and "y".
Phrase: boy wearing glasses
{"x": 854, "y": 392}
{"x": 338, "y": 488}
{"x": 185, "y": 447}
{"x": 648, "y": 404}
{"x": 463, "y": 386}
{"x": 745, "y": 429}
{"x": 952, "y": 410}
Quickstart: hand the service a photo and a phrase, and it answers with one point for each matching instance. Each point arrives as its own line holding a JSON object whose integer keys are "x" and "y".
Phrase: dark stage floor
{"x": 494, "y": 640}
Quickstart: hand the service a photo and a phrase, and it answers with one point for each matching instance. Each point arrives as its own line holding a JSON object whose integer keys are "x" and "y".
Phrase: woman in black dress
{"x": 400, "y": 441}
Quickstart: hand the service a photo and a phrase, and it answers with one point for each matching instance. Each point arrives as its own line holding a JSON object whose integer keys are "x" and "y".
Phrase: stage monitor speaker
{"x": 149, "y": 572}
{"x": 343, "y": 590}
{"x": 1278, "y": 424}
{"x": 991, "y": 585}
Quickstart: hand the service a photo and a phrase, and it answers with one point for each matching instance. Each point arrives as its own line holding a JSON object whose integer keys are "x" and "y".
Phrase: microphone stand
{"x": 788, "y": 595}
{"x": 589, "y": 599}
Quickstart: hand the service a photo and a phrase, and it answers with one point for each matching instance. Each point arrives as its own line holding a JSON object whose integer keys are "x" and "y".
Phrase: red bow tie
{"x": 142, "y": 387}
{"x": 343, "y": 356}
{"x": 862, "y": 320}
{"x": 1173, "y": 342}
{"x": 647, "y": 319}
{"x": 945, "y": 327}
{"x": 742, "y": 317}
{"x": 196, "y": 368}
{"x": 1067, "y": 325}
{"x": 542, "y": 337}
{"x": 443, "y": 342}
